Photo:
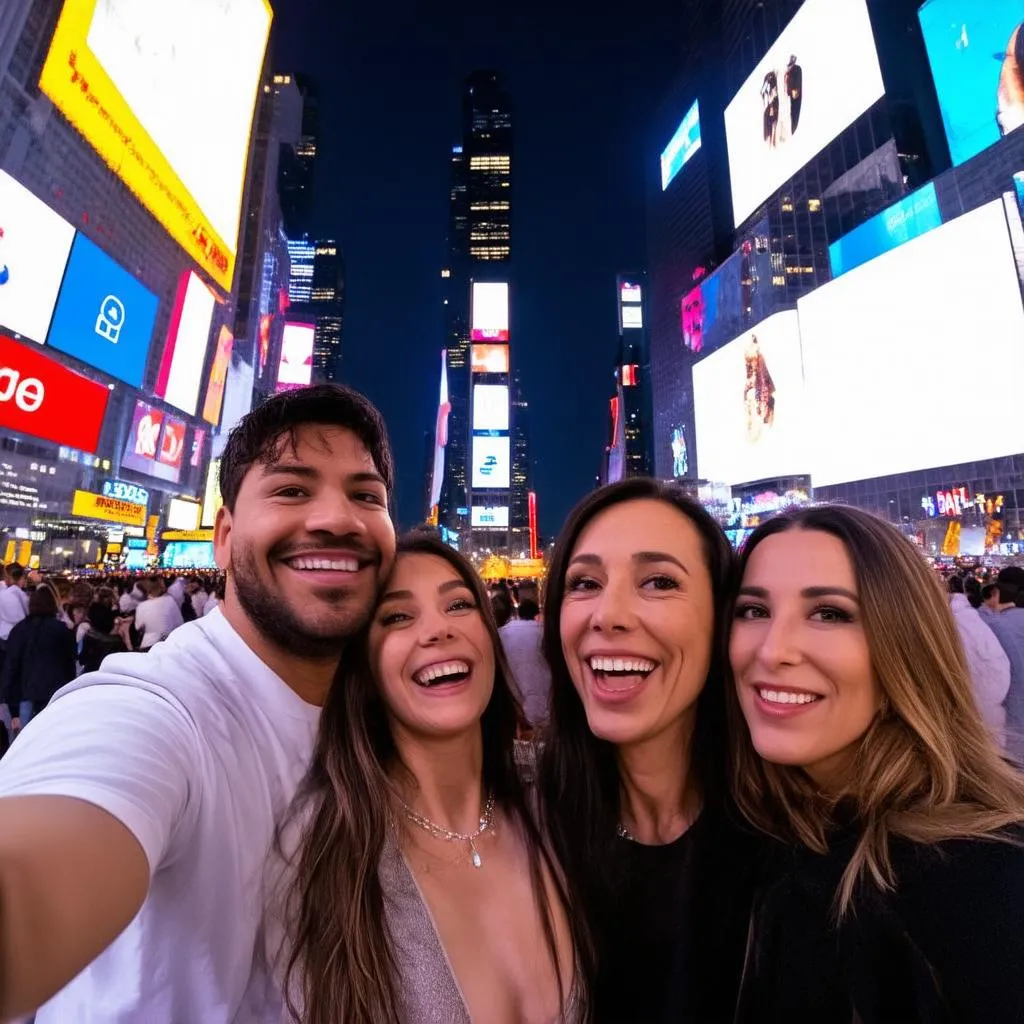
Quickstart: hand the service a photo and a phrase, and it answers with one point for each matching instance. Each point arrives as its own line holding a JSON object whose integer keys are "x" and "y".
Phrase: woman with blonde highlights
{"x": 855, "y": 738}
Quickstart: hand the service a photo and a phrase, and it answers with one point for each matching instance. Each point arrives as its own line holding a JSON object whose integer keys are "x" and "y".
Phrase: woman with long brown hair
{"x": 857, "y": 741}
{"x": 422, "y": 888}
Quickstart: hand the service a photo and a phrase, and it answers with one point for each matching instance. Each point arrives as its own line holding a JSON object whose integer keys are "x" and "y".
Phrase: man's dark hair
{"x": 528, "y": 609}
{"x": 14, "y": 571}
{"x": 956, "y": 584}
{"x": 101, "y": 618}
{"x": 269, "y": 428}
{"x": 988, "y": 590}
{"x": 502, "y": 607}
{"x": 42, "y": 602}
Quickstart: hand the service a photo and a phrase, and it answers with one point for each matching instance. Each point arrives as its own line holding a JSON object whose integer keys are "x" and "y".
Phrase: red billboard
{"x": 172, "y": 444}
{"x": 43, "y": 399}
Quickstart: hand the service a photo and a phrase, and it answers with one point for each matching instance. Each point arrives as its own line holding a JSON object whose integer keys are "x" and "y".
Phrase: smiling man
{"x": 137, "y": 810}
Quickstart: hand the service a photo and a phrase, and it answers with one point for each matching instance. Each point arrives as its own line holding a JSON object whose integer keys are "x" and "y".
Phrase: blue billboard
{"x": 976, "y": 50}
{"x": 104, "y": 316}
{"x": 911, "y": 217}
{"x": 684, "y": 145}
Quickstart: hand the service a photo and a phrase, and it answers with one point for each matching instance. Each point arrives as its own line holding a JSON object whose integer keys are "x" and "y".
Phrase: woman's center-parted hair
{"x": 927, "y": 768}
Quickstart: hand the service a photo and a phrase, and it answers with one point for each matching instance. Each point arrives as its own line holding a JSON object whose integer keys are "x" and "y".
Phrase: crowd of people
{"x": 676, "y": 785}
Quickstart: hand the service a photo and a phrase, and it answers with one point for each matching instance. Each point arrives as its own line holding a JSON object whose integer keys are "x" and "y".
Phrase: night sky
{"x": 585, "y": 81}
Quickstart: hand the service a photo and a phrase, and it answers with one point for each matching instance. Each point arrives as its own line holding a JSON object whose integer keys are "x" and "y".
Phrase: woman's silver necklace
{"x": 439, "y": 832}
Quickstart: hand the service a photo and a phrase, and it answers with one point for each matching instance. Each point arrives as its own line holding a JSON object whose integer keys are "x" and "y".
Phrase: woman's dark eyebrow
{"x": 405, "y": 595}
{"x": 807, "y": 592}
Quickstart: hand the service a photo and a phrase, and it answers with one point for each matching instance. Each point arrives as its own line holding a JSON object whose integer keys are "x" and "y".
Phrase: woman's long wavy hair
{"x": 341, "y": 966}
{"x": 927, "y": 769}
{"x": 579, "y": 773}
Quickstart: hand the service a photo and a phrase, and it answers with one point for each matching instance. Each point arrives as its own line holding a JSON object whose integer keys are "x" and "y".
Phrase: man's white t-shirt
{"x": 197, "y": 748}
{"x": 156, "y": 618}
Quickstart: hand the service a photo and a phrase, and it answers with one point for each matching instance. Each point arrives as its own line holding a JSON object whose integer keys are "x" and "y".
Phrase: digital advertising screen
{"x": 632, "y": 317}
{"x": 184, "y": 355}
{"x": 168, "y": 107}
{"x": 41, "y": 398}
{"x": 124, "y": 491}
{"x": 820, "y": 75}
{"x": 172, "y": 445}
{"x": 882, "y": 344}
{"x": 491, "y": 462}
{"x": 110, "y": 510}
{"x": 683, "y": 145}
{"x": 182, "y": 514}
{"x": 148, "y": 450}
{"x": 104, "y": 316}
{"x": 976, "y": 50}
{"x": 444, "y": 408}
{"x": 218, "y": 376}
{"x": 749, "y": 405}
{"x": 490, "y": 312}
{"x": 489, "y": 358}
{"x": 911, "y": 217}
{"x": 237, "y": 401}
{"x": 34, "y": 247}
{"x": 490, "y": 407}
{"x": 212, "y": 500}
{"x": 296, "y": 367}
{"x": 188, "y": 554}
{"x": 198, "y": 443}
{"x": 490, "y": 517}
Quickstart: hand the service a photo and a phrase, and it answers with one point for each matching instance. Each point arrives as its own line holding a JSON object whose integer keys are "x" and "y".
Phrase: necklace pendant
{"x": 477, "y": 862}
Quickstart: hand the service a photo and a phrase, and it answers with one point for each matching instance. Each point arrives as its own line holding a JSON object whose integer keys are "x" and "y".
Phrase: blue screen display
{"x": 104, "y": 316}
{"x": 911, "y": 217}
{"x": 188, "y": 554}
{"x": 977, "y": 58}
{"x": 684, "y": 145}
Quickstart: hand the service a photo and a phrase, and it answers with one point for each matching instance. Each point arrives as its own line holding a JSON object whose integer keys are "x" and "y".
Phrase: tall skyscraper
{"x": 302, "y": 254}
{"x": 298, "y": 153}
{"x": 487, "y": 154}
{"x": 328, "y": 306}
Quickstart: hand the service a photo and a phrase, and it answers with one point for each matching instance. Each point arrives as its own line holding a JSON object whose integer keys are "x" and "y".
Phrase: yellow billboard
{"x": 111, "y": 510}
{"x": 167, "y": 106}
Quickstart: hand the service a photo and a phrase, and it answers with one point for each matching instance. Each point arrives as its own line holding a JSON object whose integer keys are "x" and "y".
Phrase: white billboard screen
{"x": 183, "y": 515}
{"x": 489, "y": 517}
{"x": 491, "y": 462}
{"x": 187, "y": 341}
{"x": 821, "y": 74}
{"x": 296, "y": 367}
{"x": 886, "y": 345}
{"x": 490, "y": 407}
{"x": 490, "y": 312}
{"x": 749, "y": 405}
{"x": 34, "y": 247}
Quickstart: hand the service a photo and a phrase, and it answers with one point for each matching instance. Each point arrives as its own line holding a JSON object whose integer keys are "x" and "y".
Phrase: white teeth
{"x": 333, "y": 564}
{"x": 786, "y": 697}
{"x": 599, "y": 663}
{"x": 446, "y": 668}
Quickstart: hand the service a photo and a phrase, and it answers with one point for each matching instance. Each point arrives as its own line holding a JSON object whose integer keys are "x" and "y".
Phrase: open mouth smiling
{"x": 442, "y": 673}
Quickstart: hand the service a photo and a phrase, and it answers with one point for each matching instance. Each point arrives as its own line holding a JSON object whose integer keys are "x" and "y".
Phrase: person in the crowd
{"x": 632, "y": 772}
{"x": 436, "y": 900}
{"x": 521, "y": 640}
{"x": 1006, "y": 620}
{"x": 40, "y": 660}
{"x": 501, "y": 605}
{"x": 132, "y": 598}
{"x": 990, "y": 599}
{"x": 215, "y": 597}
{"x": 987, "y": 662}
{"x": 107, "y": 595}
{"x": 856, "y": 739}
{"x": 177, "y": 590}
{"x": 101, "y": 639}
{"x": 158, "y": 616}
{"x": 13, "y": 600}
{"x": 138, "y": 809}
{"x": 195, "y": 597}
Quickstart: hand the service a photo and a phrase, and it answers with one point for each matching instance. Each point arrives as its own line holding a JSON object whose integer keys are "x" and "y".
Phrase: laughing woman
{"x": 856, "y": 739}
{"x": 423, "y": 891}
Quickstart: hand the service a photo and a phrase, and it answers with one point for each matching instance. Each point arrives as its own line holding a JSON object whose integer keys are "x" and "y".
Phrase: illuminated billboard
{"x": 110, "y": 510}
{"x": 444, "y": 408}
{"x": 820, "y": 75}
{"x": 104, "y": 316}
{"x": 883, "y": 344}
{"x": 182, "y": 514}
{"x": 218, "y": 376}
{"x": 490, "y": 312}
{"x": 631, "y": 310}
{"x": 490, "y": 407}
{"x": 154, "y": 90}
{"x": 976, "y": 50}
{"x": 41, "y": 398}
{"x": 749, "y": 403}
{"x": 212, "y": 500}
{"x": 296, "y": 367}
{"x": 491, "y": 462}
{"x": 156, "y": 444}
{"x": 491, "y": 517}
{"x": 489, "y": 358}
{"x": 683, "y": 145}
{"x": 237, "y": 401}
{"x": 184, "y": 355}
{"x": 34, "y": 247}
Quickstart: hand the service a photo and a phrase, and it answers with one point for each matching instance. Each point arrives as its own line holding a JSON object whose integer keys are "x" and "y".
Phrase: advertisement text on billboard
{"x": 491, "y": 462}
{"x": 490, "y": 517}
{"x": 490, "y": 311}
{"x": 111, "y": 510}
{"x": 147, "y": 450}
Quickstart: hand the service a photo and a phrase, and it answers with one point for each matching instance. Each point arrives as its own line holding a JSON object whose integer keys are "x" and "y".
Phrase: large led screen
{"x": 218, "y": 376}
{"x": 296, "y": 366}
{"x": 821, "y": 74}
{"x": 182, "y": 514}
{"x": 490, "y": 407}
{"x": 490, "y": 312}
{"x": 749, "y": 405}
{"x": 34, "y": 247}
{"x": 156, "y": 444}
{"x": 184, "y": 355}
{"x": 168, "y": 106}
{"x": 444, "y": 408}
{"x": 491, "y": 463}
{"x": 683, "y": 145}
{"x": 490, "y": 517}
{"x": 883, "y": 345}
{"x": 238, "y": 394}
{"x": 104, "y": 316}
{"x": 489, "y": 358}
{"x": 976, "y": 50}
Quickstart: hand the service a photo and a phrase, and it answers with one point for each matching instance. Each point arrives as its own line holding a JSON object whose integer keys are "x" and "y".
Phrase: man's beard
{"x": 275, "y": 620}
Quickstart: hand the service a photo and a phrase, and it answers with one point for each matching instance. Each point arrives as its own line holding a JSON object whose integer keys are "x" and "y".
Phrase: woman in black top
{"x": 40, "y": 659}
{"x": 100, "y": 640}
{"x": 660, "y": 881}
{"x": 856, "y": 739}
